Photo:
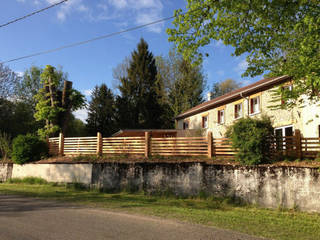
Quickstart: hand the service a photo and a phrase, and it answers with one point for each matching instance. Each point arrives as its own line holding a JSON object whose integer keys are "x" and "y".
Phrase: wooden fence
{"x": 295, "y": 146}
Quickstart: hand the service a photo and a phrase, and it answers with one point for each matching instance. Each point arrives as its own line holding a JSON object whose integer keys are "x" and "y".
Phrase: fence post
{"x": 297, "y": 134}
{"x": 147, "y": 144}
{"x": 210, "y": 145}
{"x": 61, "y": 144}
{"x": 99, "y": 144}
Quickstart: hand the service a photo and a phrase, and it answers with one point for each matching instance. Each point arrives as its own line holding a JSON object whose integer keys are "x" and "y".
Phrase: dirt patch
{"x": 139, "y": 159}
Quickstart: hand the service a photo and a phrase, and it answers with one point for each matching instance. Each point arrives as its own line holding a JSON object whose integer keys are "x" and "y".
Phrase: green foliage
{"x": 280, "y": 37}
{"x": 29, "y": 86}
{"x": 251, "y": 139}
{"x": 76, "y": 128}
{"x": 54, "y": 104}
{"x": 28, "y": 148}
{"x": 8, "y": 81}
{"x": 139, "y": 105}
{"x": 17, "y": 118}
{"x": 183, "y": 83}
{"x": 5, "y": 145}
{"x": 186, "y": 90}
{"x": 101, "y": 112}
{"x": 221, "y": 88}
{"x": 28, "y": 180}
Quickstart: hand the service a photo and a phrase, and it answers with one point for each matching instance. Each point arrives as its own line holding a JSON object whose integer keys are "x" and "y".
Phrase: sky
{"x": 91, "y": 64}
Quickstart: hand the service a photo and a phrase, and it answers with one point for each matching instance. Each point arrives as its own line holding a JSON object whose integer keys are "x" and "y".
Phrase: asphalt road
{"x": 28, "y": 218}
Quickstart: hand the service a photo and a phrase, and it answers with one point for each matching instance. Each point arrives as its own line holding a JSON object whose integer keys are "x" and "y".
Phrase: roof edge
{"x": 229, "y": 96}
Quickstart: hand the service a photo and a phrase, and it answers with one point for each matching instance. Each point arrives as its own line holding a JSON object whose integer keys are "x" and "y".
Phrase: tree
{"x": 54, "y": 102}
{"x": 16, "y": 117}
{"x": 101, "y": 112}
{"x": 30, "y": 85}
{"x": 8, "y": 81}
{"x": 140, "y": 91}
{"x": 182, "y": 82}
{"x": 221, "y": 88}
{"x": 280, "y": 37}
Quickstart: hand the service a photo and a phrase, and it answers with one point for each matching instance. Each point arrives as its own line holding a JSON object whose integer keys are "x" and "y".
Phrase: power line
{"x": 33, "y": 13}
{"x": 96, "y": 38}
{"x": 88, "y": 41}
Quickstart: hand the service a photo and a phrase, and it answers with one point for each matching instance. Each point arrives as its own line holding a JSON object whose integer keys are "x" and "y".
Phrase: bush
{"x": 5, "y": 145}
{"x": 28, "y": 148}
{"x": 251, "y": 139}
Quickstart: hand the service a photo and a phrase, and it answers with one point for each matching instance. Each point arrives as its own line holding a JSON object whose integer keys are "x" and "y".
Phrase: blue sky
{"x": 91, "y": 64}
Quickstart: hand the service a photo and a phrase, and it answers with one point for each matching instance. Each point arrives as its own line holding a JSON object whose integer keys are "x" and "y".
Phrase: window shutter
{"x": 251, "y": 105}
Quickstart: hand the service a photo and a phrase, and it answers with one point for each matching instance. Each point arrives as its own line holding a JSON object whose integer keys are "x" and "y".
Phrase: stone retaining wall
{"x": 288, "y": 187}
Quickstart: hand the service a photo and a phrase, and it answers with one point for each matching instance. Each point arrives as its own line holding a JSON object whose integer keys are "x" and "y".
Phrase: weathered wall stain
{"x": 288, "y": 187}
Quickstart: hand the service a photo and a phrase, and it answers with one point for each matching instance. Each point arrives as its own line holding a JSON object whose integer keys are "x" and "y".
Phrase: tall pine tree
{"x": 140, "y": 101}
{"x": 101, "y": 112}
{"x": 186, "y": 90}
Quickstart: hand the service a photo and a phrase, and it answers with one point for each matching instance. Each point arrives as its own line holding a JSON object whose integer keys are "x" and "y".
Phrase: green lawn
{"x": 275, "y": 224}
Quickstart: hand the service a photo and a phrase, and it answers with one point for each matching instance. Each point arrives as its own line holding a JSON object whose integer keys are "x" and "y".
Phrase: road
{"x": 24, "y": 218}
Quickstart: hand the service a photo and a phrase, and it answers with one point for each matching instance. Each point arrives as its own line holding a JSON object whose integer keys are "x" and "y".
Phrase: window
{"x": 221, "y": 116}
{"x": 185, "y": 125}
{"x": 205, "y": 122}
{"x": 254, "y": 105}
{"x": 280, "y": 134}
{"x": 238, "y": 110}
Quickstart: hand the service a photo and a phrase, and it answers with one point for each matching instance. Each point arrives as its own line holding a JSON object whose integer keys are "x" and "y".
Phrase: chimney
{"x": 208, "y": 96}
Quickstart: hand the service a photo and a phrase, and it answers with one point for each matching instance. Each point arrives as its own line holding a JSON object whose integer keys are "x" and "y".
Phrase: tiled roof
{"x": 241, "y": 92}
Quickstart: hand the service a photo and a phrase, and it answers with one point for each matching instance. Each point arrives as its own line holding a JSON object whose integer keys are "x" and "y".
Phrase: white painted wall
{"x": 67, "y": 173}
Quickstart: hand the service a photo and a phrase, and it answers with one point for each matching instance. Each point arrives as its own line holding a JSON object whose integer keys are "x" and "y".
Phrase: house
{"x": 255, "y": 101}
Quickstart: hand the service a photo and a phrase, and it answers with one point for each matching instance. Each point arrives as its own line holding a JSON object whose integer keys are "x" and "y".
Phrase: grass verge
{"x": 222, "y": 213}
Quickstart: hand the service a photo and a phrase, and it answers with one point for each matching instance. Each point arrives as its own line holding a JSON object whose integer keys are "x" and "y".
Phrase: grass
{"x": 218, "y": 212}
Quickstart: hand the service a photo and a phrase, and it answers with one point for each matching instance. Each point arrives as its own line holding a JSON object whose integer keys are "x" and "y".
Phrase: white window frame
{"x": 222, "y": 120}
{"x": 240, "y": 113}
{"x": 258, "y": 103}
{"x": 283, "y": 129}
{"x": 205, "y": 126}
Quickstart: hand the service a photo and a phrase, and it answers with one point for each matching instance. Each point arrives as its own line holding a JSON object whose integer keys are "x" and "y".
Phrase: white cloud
{"x": 82, "y": 114}
{"x": 126, "y": 12}
{"x": 87, "y": 92}
{"x": 144, "y": 11}
{"x": 241, "y": 67}
{"x": 19, "y": 73}
{"x": 120, "y": 4}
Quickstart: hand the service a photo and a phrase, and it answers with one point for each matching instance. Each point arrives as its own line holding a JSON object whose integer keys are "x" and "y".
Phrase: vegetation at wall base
{"x": 28, "y": 148}
{"x": 28, "y": 180}
{"x": 284, "y": 224}
{"x": 251, "y": 139}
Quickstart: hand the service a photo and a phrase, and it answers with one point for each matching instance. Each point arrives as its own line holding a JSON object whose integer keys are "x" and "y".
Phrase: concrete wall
{"x": 306, "y": 118}
{"x": 55, "y": 172}
{"x": 266, "y": 186}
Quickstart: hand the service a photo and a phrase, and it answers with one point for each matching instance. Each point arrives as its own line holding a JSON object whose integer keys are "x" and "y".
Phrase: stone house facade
{"x": 254, "y": 100}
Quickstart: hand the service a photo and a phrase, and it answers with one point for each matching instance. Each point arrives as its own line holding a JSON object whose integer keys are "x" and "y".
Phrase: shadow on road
{"x": 12, "y": 206}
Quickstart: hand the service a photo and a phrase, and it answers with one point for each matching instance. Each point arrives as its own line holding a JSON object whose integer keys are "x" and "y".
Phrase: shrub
{"x": 28, "y": 148}
{"x": 5, "y": 145}
{"x": 251, "y": 139}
